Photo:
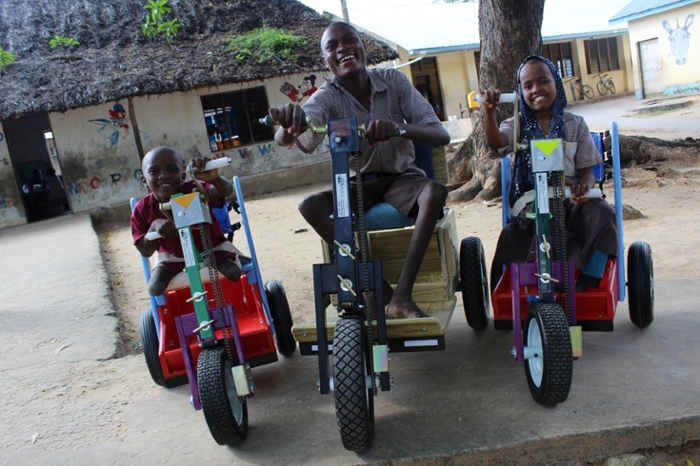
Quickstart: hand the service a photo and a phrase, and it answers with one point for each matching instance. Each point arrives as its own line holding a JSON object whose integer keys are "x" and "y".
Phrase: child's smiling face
{"x": 163, "y": 173}
{"x": 538, "y": 85}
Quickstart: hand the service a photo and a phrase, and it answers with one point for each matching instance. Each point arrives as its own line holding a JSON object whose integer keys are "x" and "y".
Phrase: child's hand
{"x": 379, "y": 130}
{"x": 289, "y": 117}
{"x": 578, "y": 193}
{"x": 164, "y": 227}
{"x": 491, "y": 96}
{"x": 198, "y": 165}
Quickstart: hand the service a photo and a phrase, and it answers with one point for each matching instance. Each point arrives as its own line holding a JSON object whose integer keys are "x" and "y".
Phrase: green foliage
{"x": 62, "y": 40}
{"x": 264, "y": 45}
{"x": 6, "y": 58}
{"x": 155, "y": 24}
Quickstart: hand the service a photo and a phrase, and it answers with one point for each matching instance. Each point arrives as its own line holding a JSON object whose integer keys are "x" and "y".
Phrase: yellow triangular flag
{"x": 547, "y": 145}
{"x": 185, "y": 200}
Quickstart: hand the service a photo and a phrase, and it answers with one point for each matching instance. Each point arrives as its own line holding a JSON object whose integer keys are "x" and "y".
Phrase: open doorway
{"x": 425, "y": 78}
{"x": 37, "y": 168}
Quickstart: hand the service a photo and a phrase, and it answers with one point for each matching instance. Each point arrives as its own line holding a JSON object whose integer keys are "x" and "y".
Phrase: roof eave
{"x": 585, "y": 35}
{"x": 476, "y": 46}
{"x": 437, "y": 50}
{"x": 631, "y": 17}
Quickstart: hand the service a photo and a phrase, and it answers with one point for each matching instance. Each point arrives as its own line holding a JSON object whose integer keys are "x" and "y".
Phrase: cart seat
{"x": 384, "y": 216}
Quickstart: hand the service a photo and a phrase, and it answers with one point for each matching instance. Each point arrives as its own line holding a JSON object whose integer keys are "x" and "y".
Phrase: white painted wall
{"x": 11, "y": 208}
{"x": 677, "y": 79}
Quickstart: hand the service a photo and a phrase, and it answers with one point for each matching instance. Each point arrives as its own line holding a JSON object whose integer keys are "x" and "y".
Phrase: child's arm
{"x": 142, "y": 224}
{"x": 220, "y": 186}
{"x": 494, "y": 136}
{"x": 586, "y": 182}
{"x": 291, "y": 124}
{"x": 586, "y": 154}
{"x": 164, "y": 227}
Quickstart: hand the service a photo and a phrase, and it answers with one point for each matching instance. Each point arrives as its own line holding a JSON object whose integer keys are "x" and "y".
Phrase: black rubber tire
{"x": 602, "y": 88}
{"x": 475, "y": 284}
{"x": 354, "y": 402}
{"x": 226, "y": 414}
{"x": 611, "y": 87}
{"x": 281, "y": 317}
{"x": 588, "y": 91}
{"x": 574, "y": 91}
{"x": 640, "y": 283}
{"x": 149, "y": 343}
{"x": 549, "y": 375}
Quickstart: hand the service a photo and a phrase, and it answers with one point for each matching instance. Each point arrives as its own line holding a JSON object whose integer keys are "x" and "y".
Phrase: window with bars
{"x": 601, "y": 55}
{"x": 232, "y": 118}
{"x": 560, "y": 54}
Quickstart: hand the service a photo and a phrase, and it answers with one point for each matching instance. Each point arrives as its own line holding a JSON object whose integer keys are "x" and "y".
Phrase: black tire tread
{"x": 214, "y": 399}
{"x": 281, "y": 317}
{"x": 355, "y": 421}
{"x": 588, "y": 91}
{"x": 640, "y": 280}
{"x": 149, "y": 343}
{"x": 475, "y": 288}
{"x": 556, "y": 352}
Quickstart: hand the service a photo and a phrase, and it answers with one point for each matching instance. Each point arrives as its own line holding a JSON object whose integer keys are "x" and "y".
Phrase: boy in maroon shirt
{"x": 164, "y": 174}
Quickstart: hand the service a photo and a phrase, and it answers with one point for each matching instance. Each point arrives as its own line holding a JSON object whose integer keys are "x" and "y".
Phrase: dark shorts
{"x": 401, "y": 191}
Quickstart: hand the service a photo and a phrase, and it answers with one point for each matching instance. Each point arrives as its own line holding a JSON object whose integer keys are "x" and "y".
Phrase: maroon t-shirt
{"x": 147, "y": 210}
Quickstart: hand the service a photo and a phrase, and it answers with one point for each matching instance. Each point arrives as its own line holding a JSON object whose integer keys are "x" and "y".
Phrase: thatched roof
{"x": 115, "y": 60}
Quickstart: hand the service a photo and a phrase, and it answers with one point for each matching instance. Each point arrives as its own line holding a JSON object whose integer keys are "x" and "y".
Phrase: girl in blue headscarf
{"x": 590, "y": 223}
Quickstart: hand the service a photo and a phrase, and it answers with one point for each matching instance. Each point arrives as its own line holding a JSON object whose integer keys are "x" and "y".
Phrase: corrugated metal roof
{"x": 423, "y": 25}
{"x": 640, "y": 8}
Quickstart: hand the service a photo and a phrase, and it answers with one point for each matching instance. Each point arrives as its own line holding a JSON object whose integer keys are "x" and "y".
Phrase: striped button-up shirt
{"x": 393, "y": 98}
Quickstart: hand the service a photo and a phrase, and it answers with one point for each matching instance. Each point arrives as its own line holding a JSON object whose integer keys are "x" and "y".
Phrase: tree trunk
{"x": 509, "y": 31}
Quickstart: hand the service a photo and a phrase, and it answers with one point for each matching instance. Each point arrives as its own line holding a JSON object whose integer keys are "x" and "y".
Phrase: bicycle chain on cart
{"x": 369, "y": 304}
{"x": 209, "y": 256}
{"x": 560, "y": 234}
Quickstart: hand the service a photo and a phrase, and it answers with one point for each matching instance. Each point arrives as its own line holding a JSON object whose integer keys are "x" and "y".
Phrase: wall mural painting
{"x": 115, "y": 127}
{"x": 96, "y": 182}
{"x": 6, "y": 203}
{"x": 268, "y": 155}
{"x": 300, "y": 92}
{"x": 679, "y": 38}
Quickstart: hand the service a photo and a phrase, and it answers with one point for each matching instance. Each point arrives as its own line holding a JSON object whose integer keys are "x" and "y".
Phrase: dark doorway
{"x": 37, "y": 168}
{"x": 425, "y": 78}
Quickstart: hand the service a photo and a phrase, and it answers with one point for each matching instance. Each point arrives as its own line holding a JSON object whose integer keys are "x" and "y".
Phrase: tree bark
{"x": 509, "y": 31}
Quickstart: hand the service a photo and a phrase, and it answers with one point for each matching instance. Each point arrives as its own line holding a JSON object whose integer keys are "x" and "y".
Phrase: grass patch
{"x": 265, "y": 45}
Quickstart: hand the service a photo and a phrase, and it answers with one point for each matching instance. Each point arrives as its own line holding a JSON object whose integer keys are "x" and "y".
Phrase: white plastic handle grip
{"x": 153, "y": 235}
{"x": 217, "y": 163}
{"x": 593, "y": 192}
{"x": 504, "y": 99}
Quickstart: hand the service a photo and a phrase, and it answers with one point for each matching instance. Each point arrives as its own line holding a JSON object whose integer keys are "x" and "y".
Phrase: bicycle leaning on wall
{"x": 605, "y": 84}
{"x": 579, "y": 90}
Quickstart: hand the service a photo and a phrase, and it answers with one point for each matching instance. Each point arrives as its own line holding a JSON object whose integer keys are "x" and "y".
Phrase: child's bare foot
{"x": 403, "y": 309}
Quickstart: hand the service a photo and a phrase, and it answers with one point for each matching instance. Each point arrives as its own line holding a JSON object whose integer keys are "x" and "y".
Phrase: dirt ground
{"x": 286, "y": 248}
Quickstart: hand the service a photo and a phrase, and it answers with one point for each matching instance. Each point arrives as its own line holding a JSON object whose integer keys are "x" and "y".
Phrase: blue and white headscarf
{"x": 530, "y": 129}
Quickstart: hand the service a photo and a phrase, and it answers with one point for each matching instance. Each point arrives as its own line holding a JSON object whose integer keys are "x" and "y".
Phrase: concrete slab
{"x": 467, "y": 405}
